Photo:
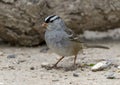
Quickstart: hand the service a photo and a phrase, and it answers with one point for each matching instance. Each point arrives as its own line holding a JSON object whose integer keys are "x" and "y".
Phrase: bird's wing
{"x": 72, "y": 36}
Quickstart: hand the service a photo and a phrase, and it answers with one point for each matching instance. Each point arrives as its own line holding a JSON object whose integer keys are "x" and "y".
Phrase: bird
{"x": 62, "y": 40}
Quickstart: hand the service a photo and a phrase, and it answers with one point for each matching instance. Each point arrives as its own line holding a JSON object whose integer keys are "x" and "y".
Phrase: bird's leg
{"x": 55, "y": 65}
{"x": 75, "y": 59}
{"x": 75, "y": 62}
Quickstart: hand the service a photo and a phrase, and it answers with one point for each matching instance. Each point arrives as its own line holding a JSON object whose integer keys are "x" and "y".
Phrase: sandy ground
{"x": 24, "y": 66}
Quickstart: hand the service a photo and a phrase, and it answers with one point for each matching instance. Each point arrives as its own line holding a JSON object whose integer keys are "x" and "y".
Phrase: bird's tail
{"x": 96, "y": 46}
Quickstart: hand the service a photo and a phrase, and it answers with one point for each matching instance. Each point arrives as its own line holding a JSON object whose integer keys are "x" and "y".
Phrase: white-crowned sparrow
{"x": 61, "y": 39}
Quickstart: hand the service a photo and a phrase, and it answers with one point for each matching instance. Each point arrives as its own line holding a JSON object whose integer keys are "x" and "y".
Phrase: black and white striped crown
{"x": 51, "y": 18}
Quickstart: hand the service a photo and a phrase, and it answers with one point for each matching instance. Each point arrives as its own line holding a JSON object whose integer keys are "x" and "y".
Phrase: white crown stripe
{"x": 53, "y": 18}
{"x": 47, "y": 18}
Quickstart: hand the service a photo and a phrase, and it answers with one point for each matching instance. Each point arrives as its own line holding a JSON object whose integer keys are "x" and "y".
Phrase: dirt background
{"x": 22, "y": 66}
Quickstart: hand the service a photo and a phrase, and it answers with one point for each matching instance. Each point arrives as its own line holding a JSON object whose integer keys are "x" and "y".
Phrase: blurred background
{"x": 20, "y": 20}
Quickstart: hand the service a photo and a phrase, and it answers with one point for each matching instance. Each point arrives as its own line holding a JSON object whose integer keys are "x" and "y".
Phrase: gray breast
{"x": 54, "y": 37}
{"x": 58, "y": 42}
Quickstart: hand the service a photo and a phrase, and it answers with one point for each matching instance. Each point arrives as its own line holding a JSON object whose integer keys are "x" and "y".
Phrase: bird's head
{"x": 53, "y": 22}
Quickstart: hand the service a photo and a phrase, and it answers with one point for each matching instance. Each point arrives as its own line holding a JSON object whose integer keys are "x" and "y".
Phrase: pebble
{"x": 118, "y": 67}
{"x": 32, "y": 68}
{"x": 11, "y": 67}
{"x": 76, "y": 74}
{"x": 55, "y": 80}
{"x": 11, "y": 56}
{"x": 110, "y": 75}
{"x": 101, "y": 65}
{"x": 20, "y": 61}
{"x": 44, "y": 64}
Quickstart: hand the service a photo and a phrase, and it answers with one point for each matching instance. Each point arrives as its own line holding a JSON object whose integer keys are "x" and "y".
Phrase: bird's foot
{"x": 78, "y": 66}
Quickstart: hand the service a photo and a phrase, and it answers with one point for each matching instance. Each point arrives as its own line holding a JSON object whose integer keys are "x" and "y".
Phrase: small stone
{"x": 118, "y": 67}
{"x": 11, "y": 67}
{"x": 55, "y": 80}
{"x": 76, "y": 74}
{"x": 110, "y": 75}
{"x": 70, "y": 82}
{"x": 101, "y": 66}
{"x": 11, "y": 56}
{"x": 20, "y": 61}
{"x": 44, "y": 64}
{"x": 118, "y": 70}
{"x": 32, "y": 68}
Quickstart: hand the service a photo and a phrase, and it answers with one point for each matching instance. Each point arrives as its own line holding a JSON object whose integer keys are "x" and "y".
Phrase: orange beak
{"x": 44, "y": 24}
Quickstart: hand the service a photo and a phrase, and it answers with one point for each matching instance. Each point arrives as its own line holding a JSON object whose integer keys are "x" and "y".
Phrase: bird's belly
{"x": 62, "y": 49}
